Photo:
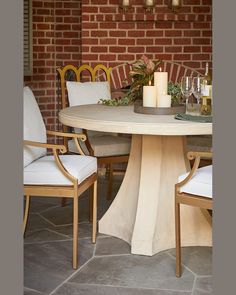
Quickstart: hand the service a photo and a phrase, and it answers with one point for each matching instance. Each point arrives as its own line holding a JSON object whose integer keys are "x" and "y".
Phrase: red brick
{"x": 99, "y": 49}
{"x": 136, "y": 49}
{"x": 145, "y": 41}
{"x": 125, "y": 57}
{"x": 173, "y": 49}
{"x": 164, "y": 41}
{"x": 107, "y": 57}
{"x": 126, "y": 41}
{"x": 173, "y": 33}
{"x": 200, "y": 56}
{"x": 136, "y": 34}
{"x": 108, "y": 41}
{"x": 117, "y": 33}
{"x": 116, "y": 49}
{"x": 192, "y": 49}
{"x": 126, "y": 26}
{"x": 99, "y": 34}
{"x": 181, "y": 57}
{"x": 182, "y": 41}
{"x": 201, "y": 41}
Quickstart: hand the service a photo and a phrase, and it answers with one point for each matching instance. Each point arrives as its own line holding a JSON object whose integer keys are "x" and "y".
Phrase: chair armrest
{"x": 80, "y": 136}
{"x": 55, "y": 148}
{"x": 75, "y": 136}
{"x": 60, "y": 147}
{"x": 191, "y": 156}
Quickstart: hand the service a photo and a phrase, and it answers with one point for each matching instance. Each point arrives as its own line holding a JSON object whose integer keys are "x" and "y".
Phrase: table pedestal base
{"x": 143, "y": 211}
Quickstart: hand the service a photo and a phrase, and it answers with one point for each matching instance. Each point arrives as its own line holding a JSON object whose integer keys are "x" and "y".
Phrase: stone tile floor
{"x": 106, "y": 268}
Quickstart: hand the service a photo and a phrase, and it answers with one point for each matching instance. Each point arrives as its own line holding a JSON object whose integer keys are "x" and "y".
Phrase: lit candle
{"x": 164, "y": 101}
{"x": 161, "y": 83}
{"x": 149, "y": 96}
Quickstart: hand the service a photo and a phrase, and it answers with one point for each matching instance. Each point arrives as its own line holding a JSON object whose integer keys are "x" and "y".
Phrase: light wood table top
{"x": 124, "y": 120}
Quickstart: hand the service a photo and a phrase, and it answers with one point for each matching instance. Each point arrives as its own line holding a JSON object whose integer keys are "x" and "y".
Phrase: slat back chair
{"x": 177, "y": 71}
{"x": 57, "y": 175}
{"x": 190, "y": 191}
{"x": 118, "y": 147}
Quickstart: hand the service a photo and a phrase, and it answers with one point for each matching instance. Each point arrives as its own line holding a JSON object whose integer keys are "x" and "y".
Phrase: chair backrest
{"x": 177, "y": 71}
{"x": 69, "y": 72}
{"x": 34, "y": 127}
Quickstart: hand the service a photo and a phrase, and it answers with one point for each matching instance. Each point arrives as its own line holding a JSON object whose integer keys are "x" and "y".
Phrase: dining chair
{"x": 193, "y": 189}
{"x": 109, "y": 148}
{"x": 55, "y": 175}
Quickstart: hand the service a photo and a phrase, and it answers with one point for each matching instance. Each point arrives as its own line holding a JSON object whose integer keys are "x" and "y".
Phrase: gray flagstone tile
{"x": 43, "y": 235}
{"x": 47, "y": 265}
{"x": 198, "y": 259}
{"x": 111, "y": 246}
{"x": 82, "y": 289}
{"x": 157, "y": 272}
{"x": 32, "y": 292}
{"x": 36, "y": 222}
{"x": 85, "y": 230}
{"x": 203, "y": 286}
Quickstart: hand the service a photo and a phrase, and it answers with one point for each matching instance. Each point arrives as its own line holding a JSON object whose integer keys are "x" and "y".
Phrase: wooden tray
{"x": 139, "y": 108}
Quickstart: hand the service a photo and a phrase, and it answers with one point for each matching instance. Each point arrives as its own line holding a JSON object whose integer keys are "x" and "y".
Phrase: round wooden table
{"x": 142, "y": 213}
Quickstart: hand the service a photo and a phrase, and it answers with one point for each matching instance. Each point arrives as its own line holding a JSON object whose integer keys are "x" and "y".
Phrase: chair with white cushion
{"x": 109, "y": 148}
{"x": 194, "y": 189}
{"x": 55, "y": 175}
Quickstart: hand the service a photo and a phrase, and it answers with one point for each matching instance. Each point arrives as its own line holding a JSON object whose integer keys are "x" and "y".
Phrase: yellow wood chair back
{"x": 93, "y": 72}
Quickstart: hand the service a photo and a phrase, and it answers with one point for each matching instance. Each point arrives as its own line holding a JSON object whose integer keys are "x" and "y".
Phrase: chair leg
{"x": 110, "y": 181}
{"x": 63, "y": 202}
{"x": 94, "y": 231}
{"x": 26, "y": 214}
{"x": 91, "y": 204}
{"x": 178, "y": 239}
{"x": 75, "y": 231}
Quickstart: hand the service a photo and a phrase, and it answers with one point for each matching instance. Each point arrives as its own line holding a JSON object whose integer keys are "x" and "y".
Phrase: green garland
{"x": 173, "y": 89}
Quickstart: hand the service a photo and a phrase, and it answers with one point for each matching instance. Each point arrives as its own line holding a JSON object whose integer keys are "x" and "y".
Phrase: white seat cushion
{"x": 34, "y": 128}
{"x": 105, "y": 146}
{"x": 200, "y": 184}
{"x": 44, "y": 171}
{"x": 87, "y": 92}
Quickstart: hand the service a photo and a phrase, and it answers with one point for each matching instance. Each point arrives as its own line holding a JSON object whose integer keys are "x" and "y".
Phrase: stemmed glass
{"x": 198, "y": 88}
{"x": 186, "y": 87}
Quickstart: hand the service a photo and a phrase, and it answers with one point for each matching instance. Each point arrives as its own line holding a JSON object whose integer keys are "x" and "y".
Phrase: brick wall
{"x": 56, "y": 42}
{"x": 113, "y": 37}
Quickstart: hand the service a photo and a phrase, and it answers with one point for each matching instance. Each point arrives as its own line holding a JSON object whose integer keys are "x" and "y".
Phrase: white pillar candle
{"x": 149, "y": 96}
{"x": 164, "y": 101}
{"x": 161, "y": 83}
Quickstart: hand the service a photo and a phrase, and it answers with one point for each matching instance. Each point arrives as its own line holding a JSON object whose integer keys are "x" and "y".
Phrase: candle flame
{"x": 149, "y": 83}
{"x": 160, "y": 69}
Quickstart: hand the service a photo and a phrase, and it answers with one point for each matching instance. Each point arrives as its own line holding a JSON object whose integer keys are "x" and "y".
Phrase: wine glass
{"x": 198, "y": 85}
{"x": 186, "y": 87}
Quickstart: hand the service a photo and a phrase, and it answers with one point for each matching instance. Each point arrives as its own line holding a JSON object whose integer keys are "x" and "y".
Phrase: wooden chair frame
{"x": 68, "y": 191}
{"x": 109, "y": 160}
{"x": 189, "y": 199}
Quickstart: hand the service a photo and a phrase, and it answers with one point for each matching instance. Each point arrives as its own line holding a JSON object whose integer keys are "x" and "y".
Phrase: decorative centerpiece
{"x": 150, "y": 90}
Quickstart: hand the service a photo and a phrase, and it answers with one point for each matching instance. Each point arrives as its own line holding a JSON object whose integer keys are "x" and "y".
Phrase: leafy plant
{"x": 175, "y": 91}
{"x": 141, "y": 73}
